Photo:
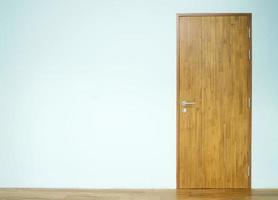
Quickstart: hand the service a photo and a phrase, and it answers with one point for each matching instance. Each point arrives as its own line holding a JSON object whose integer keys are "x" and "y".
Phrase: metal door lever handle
{"x": 185, "y": 103}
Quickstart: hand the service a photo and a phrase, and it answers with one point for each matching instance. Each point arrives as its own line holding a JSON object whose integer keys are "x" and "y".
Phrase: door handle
{"x": 185, "y": 103}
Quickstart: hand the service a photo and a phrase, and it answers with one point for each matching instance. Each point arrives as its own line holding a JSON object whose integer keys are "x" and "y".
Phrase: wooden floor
{"x": 211, "y": 194}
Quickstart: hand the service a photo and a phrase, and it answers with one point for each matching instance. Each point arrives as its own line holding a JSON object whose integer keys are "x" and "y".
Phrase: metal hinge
{"x": 248, "y": 171}
{"x": 249, "y": 102}
{"x": 249, "y": 54}
{"x": 249, "y": 32}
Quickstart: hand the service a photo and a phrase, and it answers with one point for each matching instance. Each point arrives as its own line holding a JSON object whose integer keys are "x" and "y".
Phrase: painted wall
{"x": 88, "y": 91}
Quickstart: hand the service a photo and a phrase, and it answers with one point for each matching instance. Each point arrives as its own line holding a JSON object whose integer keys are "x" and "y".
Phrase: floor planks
{"x": 167, "y": 194}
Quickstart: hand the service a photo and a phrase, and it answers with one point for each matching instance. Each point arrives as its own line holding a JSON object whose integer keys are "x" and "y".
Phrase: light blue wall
{"x": 88, "y": 91}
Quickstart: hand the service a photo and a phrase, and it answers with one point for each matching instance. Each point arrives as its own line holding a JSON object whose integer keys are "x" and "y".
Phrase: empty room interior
{"x": 135, "y": 99}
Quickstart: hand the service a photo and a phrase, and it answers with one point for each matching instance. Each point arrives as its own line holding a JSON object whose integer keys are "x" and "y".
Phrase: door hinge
{"x": 249, "y": 32}
{"x": 248, "y": 171}
{"x": 249, "y": 102}
{"x": 249, "y": 54}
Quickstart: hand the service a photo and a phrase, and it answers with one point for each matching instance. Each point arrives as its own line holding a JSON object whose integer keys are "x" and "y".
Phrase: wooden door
{"x": 214, "y": 101}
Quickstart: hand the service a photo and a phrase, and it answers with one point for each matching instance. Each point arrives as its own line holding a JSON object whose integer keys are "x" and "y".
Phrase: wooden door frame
{"x": 178, "y": 15}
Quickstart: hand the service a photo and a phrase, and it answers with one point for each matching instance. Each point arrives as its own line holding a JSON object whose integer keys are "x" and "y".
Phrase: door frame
{"x": 178, "y": 15}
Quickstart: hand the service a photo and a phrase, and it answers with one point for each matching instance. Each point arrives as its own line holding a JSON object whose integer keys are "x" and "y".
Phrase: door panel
{"x": 214, "y": 72}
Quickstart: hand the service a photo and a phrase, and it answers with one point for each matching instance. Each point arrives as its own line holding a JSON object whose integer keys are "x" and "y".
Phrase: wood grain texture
{"x": 181, "y": 194}
{"x": 214, "y": 70}
{"x": 211, "y": 14}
